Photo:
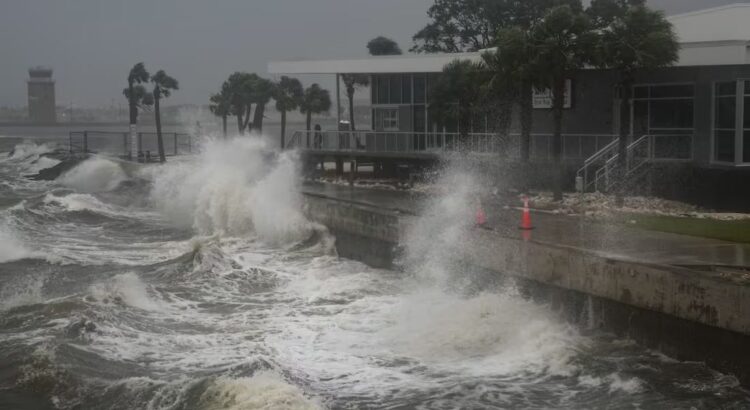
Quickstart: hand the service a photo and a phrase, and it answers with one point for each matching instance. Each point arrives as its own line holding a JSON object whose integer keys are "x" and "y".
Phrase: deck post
{"x": 85, "y": 142}
{"x": 175, "y": 144}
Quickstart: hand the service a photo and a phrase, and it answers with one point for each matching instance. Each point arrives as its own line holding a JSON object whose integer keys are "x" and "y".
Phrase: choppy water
{"x": 199, "y": 284}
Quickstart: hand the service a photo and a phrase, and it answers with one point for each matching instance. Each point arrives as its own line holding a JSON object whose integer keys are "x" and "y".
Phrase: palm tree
{"x": 456, "y": 93}
{"x": 137, "y": 75}
{"x": 351, "y": 82}
{"x": 163, "y": 87}
{"x": 238, "y": 88}
{"x": 632, "y": 38}
{"x": 289, "y": 93}
{"x": 221, "y": 107}
{"x": 262, "y": 90}
{"x": 563, "y": 43}
{"x": 315, "y": 101}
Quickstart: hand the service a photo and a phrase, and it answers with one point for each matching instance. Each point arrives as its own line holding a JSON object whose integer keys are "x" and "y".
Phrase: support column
{"x": 352, "y": 171}
{"x": 339, "y": 167}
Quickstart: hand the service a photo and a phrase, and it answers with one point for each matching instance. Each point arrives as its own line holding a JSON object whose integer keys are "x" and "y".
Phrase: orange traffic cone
{"x": 526, "y": 216}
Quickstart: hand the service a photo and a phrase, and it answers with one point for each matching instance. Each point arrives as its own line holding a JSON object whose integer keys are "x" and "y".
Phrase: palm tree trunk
{"x": 527, "y": 112}
{"x": 247, "y": 118}
{"x": 309, "y": 123}
{"x": 351, "y": 110}
{"x": 258, "y": 118}
{"x": 557, "y": 107}
{"x": 622, "y": 146}
{"x": 239, "y": 122}
{"x": 283, "y": 129}
{"x": 159, "y": 140}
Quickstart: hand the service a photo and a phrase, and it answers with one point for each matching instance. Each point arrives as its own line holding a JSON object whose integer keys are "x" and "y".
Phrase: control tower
{"x": 41, "y": 88}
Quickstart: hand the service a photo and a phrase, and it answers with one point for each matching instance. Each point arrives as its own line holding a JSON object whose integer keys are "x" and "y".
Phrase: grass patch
{"x": 733, "y": 231}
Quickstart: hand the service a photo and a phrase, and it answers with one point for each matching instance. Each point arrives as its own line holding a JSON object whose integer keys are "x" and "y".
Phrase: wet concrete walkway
{"x": 611, "y": 240}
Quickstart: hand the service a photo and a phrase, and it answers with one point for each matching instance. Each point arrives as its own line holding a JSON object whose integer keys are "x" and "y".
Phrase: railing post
{"x": 175, "y": 144}
{"x": 70, "y": 141}
{"x": 85, "y": 142}
{"x": 125, "y": 150}
{"x": 190, "y": 145}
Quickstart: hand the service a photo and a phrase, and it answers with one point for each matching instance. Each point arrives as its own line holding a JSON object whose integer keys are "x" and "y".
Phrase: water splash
{"x": 234, "y": 188}
{"x": 94, "y": 175}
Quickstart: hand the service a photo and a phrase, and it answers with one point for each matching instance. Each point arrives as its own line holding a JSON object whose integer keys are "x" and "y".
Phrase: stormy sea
{"x": 200, "y": 284}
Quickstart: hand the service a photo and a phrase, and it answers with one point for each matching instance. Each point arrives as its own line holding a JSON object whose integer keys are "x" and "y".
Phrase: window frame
{"x": 675, "y": 131}
{"x": 739, "y": 125}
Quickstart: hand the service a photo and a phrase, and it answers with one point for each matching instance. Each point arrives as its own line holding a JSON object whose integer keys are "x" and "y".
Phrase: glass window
{"x": 672, "y": 91}
{"x": 726, "y": 112}
{"x": 640, "y": 92}
{"x": 671, "y": 114}
{"x": 725, "y": 124}
{"x": 386, "y": 119}
{"x": 420, "y": 85}
{"x": 726, "y": 89}
{"x": 382, "y": 89}
{"x": 395, "y": 86}
{"x": 406, "y": 87}
{"x": 724, "y": 145}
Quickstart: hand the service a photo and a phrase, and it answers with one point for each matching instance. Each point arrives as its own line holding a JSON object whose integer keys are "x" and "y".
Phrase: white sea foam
{"x": 94, "y": 175}
{"x": 24, "y": 291}
{"x": 126, "y": 288}
{"x": 11, "y": 248}
{"x": 234, "y": 187}
{"x": 263, "y": 391}
{"x": 29, "y": 151}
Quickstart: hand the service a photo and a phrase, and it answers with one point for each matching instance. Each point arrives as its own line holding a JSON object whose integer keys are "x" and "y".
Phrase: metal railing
{"x": 603, "y": 166}
{"x": 575, "y": 146}
{"x": 118, "y": 143}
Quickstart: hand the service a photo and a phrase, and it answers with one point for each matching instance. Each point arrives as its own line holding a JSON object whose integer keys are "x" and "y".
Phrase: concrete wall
{"x": 688, "y": 314}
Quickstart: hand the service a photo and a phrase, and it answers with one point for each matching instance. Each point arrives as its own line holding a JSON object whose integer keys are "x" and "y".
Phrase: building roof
{"x": 725, "y": 23}
{"x": 409, "y": 63}
{"x": 715, "y": 36}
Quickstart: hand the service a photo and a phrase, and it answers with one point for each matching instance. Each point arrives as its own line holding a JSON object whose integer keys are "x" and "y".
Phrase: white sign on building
{"x": 543, "y": 98}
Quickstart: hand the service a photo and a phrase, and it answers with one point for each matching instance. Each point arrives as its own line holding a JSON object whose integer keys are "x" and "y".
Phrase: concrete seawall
{"x": 686, "y": 313}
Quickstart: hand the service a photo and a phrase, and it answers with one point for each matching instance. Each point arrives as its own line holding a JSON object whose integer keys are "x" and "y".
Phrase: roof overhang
{"x": 422, "y": 63}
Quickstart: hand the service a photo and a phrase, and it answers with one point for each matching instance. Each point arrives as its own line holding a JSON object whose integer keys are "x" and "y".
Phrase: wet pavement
{"x": 612, "y": 240}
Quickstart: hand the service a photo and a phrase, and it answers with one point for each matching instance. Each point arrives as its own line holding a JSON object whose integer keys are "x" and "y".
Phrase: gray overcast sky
{"x": 91, "y": 44}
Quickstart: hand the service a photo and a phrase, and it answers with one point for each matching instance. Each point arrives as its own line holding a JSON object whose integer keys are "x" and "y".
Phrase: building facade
{"x": 41, "y": 93}
{"x": 696, "y": 114}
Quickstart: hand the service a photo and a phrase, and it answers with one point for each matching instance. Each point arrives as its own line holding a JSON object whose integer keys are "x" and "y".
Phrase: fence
{"x": 575, "y": 146}
{"x": 118, "y": 143}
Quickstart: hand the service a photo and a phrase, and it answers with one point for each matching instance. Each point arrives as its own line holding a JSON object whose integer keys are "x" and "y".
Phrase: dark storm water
{"x": 199, "y": 285}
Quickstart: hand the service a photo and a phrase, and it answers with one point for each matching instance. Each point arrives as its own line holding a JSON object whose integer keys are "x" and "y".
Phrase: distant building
{"x": 41, "y": 89}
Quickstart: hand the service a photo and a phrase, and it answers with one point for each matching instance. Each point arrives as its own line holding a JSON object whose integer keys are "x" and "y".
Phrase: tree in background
{"x": 563, "y": 42}
{"x": 163, "y": 87}
{"x": 137, "y": 75}
{"x": 456, "y": 93}
{"x": 221, "y": 106}
{"x": 261, "y": 92}
{"x": 239, "y": 90}
{"x": 383, "y": 46}
{"x": 315, "y": 101}
{"x": 472, "y": 25}
{"x": 351, "y": 83}
{"x": 632, "y": 37}
{"x": 288, "y": 96}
